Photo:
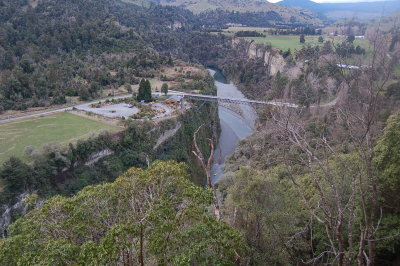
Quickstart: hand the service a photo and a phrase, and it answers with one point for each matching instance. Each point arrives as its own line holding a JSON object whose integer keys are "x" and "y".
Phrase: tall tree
{"x": 16, "y": 175}
{"x": 144, "y": 93}
{"x": 164, "y": 88}
{"x": 141, "y": 92}
{"x": 147, "y": 92}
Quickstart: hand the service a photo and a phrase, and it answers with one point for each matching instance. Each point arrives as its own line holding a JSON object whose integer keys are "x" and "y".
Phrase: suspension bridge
{"x": 212, "y": 98}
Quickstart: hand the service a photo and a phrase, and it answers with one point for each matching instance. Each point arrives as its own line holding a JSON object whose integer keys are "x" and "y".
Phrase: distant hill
{"x": 335, "y": 11}
{"x": 288, "y": 14}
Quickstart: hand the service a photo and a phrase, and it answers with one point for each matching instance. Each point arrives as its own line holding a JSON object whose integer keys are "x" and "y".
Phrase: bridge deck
{"x": 236, "y": 101}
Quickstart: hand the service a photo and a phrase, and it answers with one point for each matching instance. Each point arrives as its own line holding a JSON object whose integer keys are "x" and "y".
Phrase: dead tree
{"x": 207, "y": 165}
{"x": 351, "y": 215}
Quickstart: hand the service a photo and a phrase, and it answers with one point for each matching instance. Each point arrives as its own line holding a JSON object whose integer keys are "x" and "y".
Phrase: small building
{"x": 174, "y": 99}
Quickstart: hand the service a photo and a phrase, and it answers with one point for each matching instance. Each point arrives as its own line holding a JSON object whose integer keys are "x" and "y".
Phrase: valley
{"x": 199, "y": 132}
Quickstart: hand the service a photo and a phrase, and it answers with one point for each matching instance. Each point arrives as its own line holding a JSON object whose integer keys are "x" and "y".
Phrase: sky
{"x": 334, "y": 1}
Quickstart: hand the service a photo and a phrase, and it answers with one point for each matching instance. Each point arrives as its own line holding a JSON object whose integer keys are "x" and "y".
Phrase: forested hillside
{"x": 286, "y": 14}
{"x": 53, "y": 49}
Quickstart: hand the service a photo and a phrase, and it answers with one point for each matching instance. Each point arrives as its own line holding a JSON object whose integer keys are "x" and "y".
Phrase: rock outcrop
{"x": 6, "y": 213}
{"x": 273, "y": 60}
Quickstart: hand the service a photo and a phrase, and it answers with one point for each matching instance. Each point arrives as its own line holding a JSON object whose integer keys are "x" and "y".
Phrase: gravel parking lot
{"x": 112, "y": 111}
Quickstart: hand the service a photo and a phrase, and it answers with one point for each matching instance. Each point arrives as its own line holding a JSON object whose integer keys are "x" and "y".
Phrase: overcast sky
{"x": 334, "y": 1}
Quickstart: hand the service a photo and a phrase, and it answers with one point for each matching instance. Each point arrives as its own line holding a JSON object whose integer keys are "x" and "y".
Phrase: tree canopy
{"x": 154, "y": 216}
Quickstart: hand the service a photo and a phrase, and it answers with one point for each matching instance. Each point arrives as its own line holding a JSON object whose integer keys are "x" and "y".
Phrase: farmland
{"x": 63, "y": 128}
{"x": 292, "y": 42}
{"x": 285, "y": 42}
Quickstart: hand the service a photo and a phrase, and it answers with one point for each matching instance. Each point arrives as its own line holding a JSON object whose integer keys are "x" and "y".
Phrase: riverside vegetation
{"x": 313, "y": 185}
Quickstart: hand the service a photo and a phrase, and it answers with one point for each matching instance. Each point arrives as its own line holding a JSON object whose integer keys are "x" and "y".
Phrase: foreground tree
{"x": 387, "y": 167}
{"x": 147, "y": 217}
{"x": 331, "y": 163}
{"x": 261, "y": 205}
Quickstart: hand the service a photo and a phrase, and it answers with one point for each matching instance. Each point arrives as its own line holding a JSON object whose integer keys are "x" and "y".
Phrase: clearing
{"x": 36, "y": 132}
{"x": 285, "y": 42}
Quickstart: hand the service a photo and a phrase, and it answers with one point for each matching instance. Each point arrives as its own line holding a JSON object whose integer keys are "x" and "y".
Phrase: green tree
{"x": 393, "y": 91}
{"x": 387, "y": 152}
{"x": 144, "y": 93}
{"x": 260, "y": 204}
{"x": 386, "y": 161}
{"x": 26, "y": 65}
{"x": 128, "y": 87}
{"x": 147, "y": 92}
{"x": 164, "y": 88}
{"x": 84, "y": 94}
{"x": 16, "y": 176}
{"x": 154, "y": 216}
{"x": 170, "y": 61}
{"x": 351, "y": 38}
{"x": 140, "y": 96}
{"x": 302, "y": 38}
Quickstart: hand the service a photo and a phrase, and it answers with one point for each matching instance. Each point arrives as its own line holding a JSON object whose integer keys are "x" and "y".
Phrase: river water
{"x": 237, "y": 123}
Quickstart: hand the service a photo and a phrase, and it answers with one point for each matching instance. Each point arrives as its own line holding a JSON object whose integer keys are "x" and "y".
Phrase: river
{"x": 237, "y": 123}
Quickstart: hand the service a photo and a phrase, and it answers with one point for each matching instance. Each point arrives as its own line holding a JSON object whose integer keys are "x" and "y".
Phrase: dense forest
{"x": 53, "y": 49}
{"x": 68, "y": 48}
{"x": 220, "y": 18}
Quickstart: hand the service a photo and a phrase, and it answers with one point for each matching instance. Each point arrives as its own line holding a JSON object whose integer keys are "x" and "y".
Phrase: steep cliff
{"x": 273, "y": 60}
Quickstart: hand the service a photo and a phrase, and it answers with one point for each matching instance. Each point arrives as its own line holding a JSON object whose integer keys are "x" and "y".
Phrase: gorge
{"x": 236, "y": 122}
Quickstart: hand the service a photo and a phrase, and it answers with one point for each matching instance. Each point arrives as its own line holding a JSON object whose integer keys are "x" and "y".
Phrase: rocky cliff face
{"x": 273, "y": 61}
{"x": 6, "y": 213}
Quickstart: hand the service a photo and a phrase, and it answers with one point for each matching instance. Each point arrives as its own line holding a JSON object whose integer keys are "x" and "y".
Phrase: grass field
{"x": 292, "y": 42}
{"x": 232, "y": 30}
{"x": 62, "y": 127}
{"x": 285, "y": 42}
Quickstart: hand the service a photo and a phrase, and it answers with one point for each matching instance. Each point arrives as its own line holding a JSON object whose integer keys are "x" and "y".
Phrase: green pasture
{"x": 285, "y": 42}
{"x": 233, "y": 30}
{"x": 36, "y": 132}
